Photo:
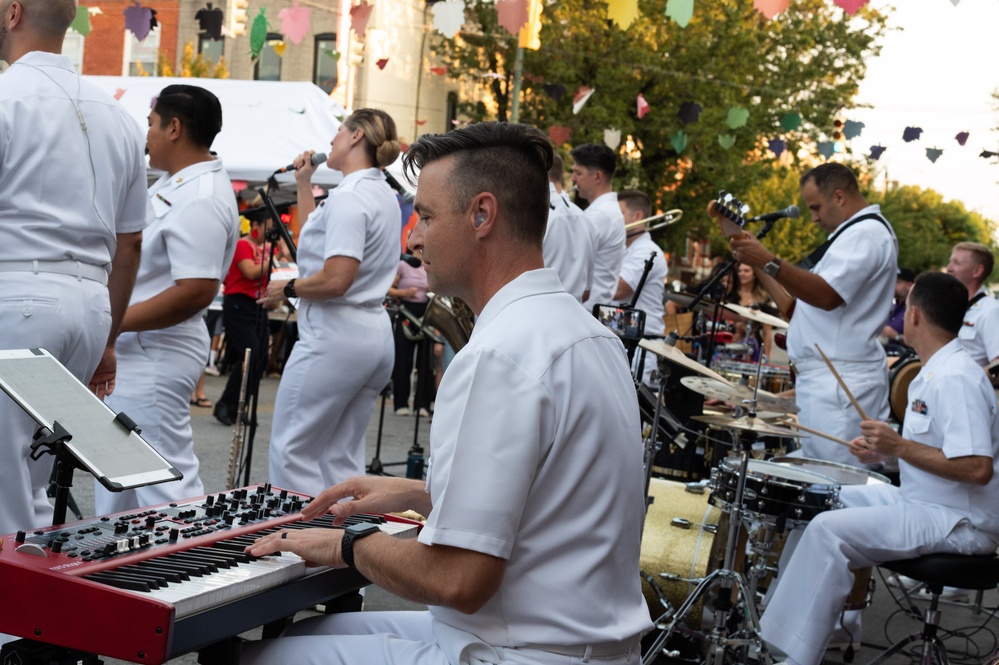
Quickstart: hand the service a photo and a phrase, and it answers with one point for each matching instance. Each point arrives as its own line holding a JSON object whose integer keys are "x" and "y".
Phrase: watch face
{"x": 362, "y": 529}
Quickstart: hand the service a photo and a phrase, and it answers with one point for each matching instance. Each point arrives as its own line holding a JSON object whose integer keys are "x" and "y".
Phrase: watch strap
{"x": 289, "y": 289}
{"x": 350, "y": 534}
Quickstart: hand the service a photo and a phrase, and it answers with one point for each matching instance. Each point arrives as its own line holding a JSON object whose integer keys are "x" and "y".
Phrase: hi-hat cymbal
{"x": 756, "y": 315}
{"x": 684, "y": 300}
{"x": 738, "y": 394}
{"x": 748, "y": 424}
{"x": 675, "y": 355}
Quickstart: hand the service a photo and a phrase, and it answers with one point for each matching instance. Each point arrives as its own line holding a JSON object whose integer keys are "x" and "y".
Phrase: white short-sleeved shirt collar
{"x": 952, "y": 407}
{"x": 192, "y": 232}
{"x": 980, "y": 332}
{"x": 568, "y": 245}
{"x": 71, "y": 207}
{"x": 607, "y": 227}
{"x": 860, "y": 266}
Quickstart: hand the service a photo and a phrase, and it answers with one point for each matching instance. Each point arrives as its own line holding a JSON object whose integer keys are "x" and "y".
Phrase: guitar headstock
{"x": 730, "y": 211}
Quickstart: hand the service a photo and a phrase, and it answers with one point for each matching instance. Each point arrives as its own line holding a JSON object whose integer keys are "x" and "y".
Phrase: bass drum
{"x": 900, "y": 376}
{"x": 679, "y": 539}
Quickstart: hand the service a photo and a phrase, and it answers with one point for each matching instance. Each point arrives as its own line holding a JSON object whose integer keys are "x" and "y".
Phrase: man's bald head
{"x": 34, "y": 25}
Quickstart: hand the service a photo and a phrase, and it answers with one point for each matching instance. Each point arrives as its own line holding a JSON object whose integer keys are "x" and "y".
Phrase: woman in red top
{"x": 244, "y": 329}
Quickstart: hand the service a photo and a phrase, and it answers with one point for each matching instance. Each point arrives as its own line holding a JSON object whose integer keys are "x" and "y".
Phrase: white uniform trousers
{"x": 341, "y": 362}
{"x": 397, "y": 638}
{"x": 70, "y": 318}
{"x": 877, "y": 527}
{"x": 825, "y": 407}
{"x": 157, "y": 372}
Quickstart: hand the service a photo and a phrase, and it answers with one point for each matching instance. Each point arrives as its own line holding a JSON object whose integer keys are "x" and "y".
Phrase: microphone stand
{"x": 707, "y": 288}
{"x": 276, "y": 231}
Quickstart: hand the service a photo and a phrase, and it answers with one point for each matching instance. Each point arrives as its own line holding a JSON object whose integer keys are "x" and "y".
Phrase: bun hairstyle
{"x": 380, "y": 136}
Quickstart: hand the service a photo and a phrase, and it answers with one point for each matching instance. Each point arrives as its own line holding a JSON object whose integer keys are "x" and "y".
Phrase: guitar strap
{"x": 978, "y": 296}
{"x": 813, "y": 259}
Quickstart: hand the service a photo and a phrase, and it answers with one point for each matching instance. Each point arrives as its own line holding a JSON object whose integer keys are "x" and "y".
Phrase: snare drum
{"x": 899, "y": 377}
{"x": 841, "y": 473}
{"x": 774, "y": 492}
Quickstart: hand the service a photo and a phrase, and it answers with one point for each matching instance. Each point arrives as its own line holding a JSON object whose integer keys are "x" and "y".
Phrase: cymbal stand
{"x": 721, "y": 638}
{"x": 652, "y": 443}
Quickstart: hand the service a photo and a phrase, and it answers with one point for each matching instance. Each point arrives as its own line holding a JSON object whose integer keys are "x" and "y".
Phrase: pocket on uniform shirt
{"x": 915, "y": 422}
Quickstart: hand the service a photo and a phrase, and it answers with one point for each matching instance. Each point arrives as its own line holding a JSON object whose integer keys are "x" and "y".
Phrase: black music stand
{"x": 78, "y": 428}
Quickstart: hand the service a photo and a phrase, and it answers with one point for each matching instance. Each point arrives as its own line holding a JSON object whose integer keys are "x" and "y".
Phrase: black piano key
{"x": 155, "y": 581}
{"x": 120, "y": 581}
{"x": 183, "y": 567}
{"x": 221, "y": 559}
{"x": 205, "y": 567}
{"x": 235, "y": 558}
{"x": 162, "y": 573}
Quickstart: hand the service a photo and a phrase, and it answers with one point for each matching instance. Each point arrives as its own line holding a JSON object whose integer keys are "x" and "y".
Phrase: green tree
{"x": 927, "y": 226}
{"x": 808, "y": 60}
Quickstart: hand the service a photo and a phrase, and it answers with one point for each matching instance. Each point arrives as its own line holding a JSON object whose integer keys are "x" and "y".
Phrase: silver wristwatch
{"x": 772, "y": 267}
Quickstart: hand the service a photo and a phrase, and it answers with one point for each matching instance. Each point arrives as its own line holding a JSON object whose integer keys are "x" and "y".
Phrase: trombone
{"x": 671, "y": 217}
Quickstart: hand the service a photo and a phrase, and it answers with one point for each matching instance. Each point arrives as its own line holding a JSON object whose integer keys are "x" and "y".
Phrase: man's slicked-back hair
{"x": 595, "y": 156}
{"x": 635, "y": 201}
{"x": 831, "y": 176}
{"x": 198, "y": 110}
{"x": 941, "y": 298}
{"x": 510, "y": 161}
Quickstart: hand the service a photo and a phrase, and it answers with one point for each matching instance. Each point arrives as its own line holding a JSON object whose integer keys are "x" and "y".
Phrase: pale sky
{"x": 938, "y": 73}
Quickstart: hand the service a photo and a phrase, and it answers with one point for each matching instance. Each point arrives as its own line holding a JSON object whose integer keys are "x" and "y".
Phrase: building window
{"x": 141, "y": 58}
{"x": 210, "y": 48}
{"x": 268, "y": 67}
{"x": 72, "y": 48}
{"x": 324, "y": 65}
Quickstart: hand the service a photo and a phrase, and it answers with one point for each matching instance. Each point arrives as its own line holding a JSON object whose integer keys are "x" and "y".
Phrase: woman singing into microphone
{"x": 348, "y": 253}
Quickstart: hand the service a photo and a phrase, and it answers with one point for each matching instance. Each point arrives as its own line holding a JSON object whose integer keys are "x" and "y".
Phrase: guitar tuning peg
{"x": 727, "y": 198}
{"x": 744, "y": 209}
{"x": 721, "y": 194}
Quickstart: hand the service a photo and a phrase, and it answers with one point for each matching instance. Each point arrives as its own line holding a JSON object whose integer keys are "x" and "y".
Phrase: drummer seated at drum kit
{"x": 948, "y": 500}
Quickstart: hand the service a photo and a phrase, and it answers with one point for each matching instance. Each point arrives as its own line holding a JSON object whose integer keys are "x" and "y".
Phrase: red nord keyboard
{"x": 151, "y": 585}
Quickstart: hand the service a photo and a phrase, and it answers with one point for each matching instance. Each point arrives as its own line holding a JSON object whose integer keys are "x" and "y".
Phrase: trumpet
{"x": 672, "y": 216}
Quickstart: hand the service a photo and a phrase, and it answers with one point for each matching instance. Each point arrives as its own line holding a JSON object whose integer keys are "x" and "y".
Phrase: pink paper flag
{"x": 359, "y": 15}
{"x": 643, "y": 106}
{"x": 381, "y": 62}
{"x": 119, "y": 93}
{"x": 770, "y": 8}
{"x": 440, "y": 71}
{"x": 559, "y": 134}
{"x": 850, "y": 6}
{"x": 295, "y": 22}
{"x": 512, "y": 14}
{"x": 580, "y": 98}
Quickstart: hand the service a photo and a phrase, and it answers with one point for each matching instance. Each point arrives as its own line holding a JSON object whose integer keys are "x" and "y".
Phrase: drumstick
{"x": 791, "y": 423}
{"x": 853, "y": 400}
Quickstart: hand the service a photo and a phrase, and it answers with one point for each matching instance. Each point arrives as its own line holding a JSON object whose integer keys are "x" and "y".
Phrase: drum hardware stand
{"x": 719, "y": 639}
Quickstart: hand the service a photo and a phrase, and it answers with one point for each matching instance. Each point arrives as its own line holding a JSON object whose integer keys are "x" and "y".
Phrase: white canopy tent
{"x": 265, "y": 124}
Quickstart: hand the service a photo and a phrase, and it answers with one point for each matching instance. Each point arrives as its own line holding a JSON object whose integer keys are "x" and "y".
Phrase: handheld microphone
{"x": 407, "y": 196}
{"x": 317, "y": 159}
{"x": 414, "y": 261}
{"x": 790, "y": 211}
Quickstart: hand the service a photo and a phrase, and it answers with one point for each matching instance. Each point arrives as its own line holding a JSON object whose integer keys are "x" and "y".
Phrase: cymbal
{"x": 738, "y": 394}
{"x": 756, "y": 315}
{"x": 675, "y": 355}
{"x": 748, "y": 424}
{"x": 684, "y": 300}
